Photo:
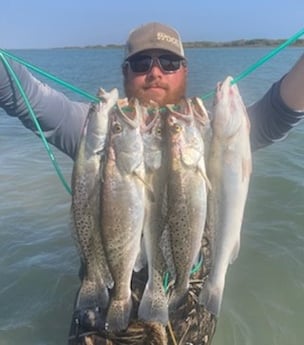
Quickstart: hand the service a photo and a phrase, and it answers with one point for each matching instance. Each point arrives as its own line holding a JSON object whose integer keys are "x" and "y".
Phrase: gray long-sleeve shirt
{"x": 62, "y": 120}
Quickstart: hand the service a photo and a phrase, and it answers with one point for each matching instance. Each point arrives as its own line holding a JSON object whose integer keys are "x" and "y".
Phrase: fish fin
{"x": 149, "y": 191}
{"x": 211, "y": 297}
{"x": 106, "y": 96}
{"x": 199, "y": 111}
{"x": 202, "y": 169}
{"x": 153, "y": 307}
{"x": 92, "y": 295}
{"x": 118, "y": 315}
{"x": 235, "y": 252}
{"x": 141, "y": 259}
{"x": 190, "y": 156}
{"x": 177, "y": 298}
{"x": 150, "y": 194}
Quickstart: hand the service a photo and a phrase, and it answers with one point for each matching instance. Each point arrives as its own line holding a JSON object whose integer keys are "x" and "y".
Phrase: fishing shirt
{"x": 62, "y": 119}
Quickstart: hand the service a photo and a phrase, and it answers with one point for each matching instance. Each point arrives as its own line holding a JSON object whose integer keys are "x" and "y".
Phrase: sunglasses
{"x": 144, "y": 63}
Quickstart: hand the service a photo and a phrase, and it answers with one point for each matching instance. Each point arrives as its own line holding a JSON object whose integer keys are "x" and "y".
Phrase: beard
{"x": 155, "y": 92}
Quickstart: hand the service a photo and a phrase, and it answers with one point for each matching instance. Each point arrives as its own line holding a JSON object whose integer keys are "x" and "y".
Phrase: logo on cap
{"x": 161, "y": 36}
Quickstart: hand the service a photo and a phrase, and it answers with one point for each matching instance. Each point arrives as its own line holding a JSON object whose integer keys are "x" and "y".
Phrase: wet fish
{"x": 229, "y": 170}
{"x": 122, "y": 207}
{"x": 154, "y": 303}
{"x": 203, "y": 122}
{"x": 187, "y": 198}
{"x": 93, "y": 293}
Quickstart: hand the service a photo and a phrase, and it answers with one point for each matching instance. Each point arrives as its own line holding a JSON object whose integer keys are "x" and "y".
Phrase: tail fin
{"x": 118, "y": 315}
{"x": 211, "y": 297}
{"x": 153, "y": 307}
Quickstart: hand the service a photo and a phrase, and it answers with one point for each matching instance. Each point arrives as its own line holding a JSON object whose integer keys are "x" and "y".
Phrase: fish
{"x": 154, "y": 302}
{"x": 85, "y": 224}
{"x": 203, "y": 122}
{"x": 122, "y": 207}
{"x": 229, "y": 169}
{"x": 187, "y": 187}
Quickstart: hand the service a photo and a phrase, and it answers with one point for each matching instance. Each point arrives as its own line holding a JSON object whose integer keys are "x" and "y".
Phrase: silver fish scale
{"x": 230, "y": 167}
{"x": 96, "y": 278}
{"x": 122, "y": 211}
{"x": 187, "y": 197}
{"x": 154, "y": 303}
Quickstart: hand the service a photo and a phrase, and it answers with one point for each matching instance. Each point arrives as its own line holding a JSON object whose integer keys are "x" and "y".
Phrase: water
{"x": 263, "y": 298}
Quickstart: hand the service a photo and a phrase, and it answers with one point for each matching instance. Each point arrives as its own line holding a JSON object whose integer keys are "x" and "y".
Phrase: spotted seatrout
{"x": 93, "y": 293}
{"x": 229, "y": 170}
{"x": 154, "y": 302}
{"x": 187, "y": 198}
{"x": 122, "y": 207}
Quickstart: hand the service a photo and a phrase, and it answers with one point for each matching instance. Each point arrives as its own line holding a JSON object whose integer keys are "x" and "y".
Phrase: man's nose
{"x": 155, "y": 69}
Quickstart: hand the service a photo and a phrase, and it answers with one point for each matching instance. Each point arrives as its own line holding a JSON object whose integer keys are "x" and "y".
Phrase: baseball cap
{"x": 154, "y": 36}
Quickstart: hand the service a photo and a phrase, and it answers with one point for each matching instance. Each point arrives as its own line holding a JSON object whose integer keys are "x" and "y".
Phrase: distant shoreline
{"x": 255, "y": 43}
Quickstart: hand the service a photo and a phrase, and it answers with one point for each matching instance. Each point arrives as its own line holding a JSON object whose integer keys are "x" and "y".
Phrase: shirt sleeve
{"x": 60, "y": 119}
{"x": 271, "y": 119}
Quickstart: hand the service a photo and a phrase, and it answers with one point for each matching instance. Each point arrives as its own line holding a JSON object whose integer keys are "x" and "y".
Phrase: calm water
{"x": 263, "y": 299}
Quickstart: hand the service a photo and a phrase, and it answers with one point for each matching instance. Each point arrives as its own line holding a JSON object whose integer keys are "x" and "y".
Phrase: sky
{"x": 39, "y": 24}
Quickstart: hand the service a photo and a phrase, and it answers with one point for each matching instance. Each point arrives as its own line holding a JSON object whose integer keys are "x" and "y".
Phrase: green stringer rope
{"x": 34, "y": 118}
{"x": 51, "y": 76}
{"x": 4, "y": 53}
{"x": 267, "y": 57}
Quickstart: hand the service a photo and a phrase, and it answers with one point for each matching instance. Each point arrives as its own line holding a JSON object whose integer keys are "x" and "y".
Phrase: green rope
{"x": 195, "y": 268}
{"x": 51, "y": 76}
{"x": 34, "y": 118}
{"x": 4, "y": 53}
{"x": 267, "y": 57}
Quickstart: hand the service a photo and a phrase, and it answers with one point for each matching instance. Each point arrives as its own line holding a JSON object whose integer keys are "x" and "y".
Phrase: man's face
{"x": 162, "y": 79}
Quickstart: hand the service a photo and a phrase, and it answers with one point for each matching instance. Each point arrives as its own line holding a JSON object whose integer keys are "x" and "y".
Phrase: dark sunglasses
{"x": 144, "y": 63}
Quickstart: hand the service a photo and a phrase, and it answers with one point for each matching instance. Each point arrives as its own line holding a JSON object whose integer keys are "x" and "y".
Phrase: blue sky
{"x": 47, "y": 24}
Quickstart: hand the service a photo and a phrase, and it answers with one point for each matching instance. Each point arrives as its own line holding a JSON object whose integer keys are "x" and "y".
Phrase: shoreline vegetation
{"x": 254, "y": 43}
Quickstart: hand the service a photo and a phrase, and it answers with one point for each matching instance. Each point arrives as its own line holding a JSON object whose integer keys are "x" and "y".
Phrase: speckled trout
{"x": 187, "y": 198}
{"x": 229, "y": 170}
{"x": 93, "y": 293}
{"x": 122, "y": 207}
{"x": 154, "y": 303}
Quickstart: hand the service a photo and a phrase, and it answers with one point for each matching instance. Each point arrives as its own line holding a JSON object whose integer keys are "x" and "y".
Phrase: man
{"x": 154, "y": 69}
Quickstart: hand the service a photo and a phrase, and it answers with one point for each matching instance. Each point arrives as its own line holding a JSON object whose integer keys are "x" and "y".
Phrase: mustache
{"x": 156, "y": 84}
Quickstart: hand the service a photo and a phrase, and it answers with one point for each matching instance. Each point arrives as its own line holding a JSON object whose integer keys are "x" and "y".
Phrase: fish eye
{"x": 177, "y": 128}
{"x": 158, "y": 130}
{"x": 116, "y": 128}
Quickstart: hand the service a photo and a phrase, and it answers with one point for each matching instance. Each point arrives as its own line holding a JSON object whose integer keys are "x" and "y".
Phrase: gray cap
{"x": 154, "y": 36}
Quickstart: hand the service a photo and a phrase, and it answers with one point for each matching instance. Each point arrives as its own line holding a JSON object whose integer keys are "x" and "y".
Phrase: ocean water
{"x": 263, "y": 298}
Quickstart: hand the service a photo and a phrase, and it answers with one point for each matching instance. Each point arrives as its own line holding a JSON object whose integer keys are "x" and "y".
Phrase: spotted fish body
{"x": 154, "y": 303}
{"x": 122, "y": 208}
{"x": 187, "y": 198}
{"x": 229, "y": 170}
{"x": 93, "y": 293}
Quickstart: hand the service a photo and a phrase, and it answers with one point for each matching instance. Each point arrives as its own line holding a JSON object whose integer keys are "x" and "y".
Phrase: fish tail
{"x": 103, "y": 297}
{"x": 91, "y": 302}
{"x": 153, "y": 307}
{"x": 92, "y": 295}
{"x": 211, "y": 297}
{"x": 86, "y": 296}
{"x": 177, "y": 297}
{"x": 118, "y": 315}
